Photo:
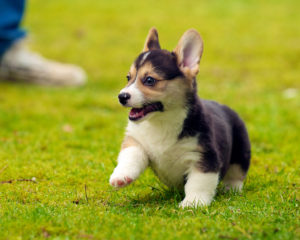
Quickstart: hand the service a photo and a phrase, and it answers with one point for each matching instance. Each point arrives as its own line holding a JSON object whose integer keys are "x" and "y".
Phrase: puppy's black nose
{"x": 123, "y": 97}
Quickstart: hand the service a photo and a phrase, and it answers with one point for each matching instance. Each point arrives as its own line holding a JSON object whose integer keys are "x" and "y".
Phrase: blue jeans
{"x": 11, "y": 13}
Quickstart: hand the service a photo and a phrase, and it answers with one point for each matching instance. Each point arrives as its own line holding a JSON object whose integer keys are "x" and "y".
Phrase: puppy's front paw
{"x": 117, "y": 180}
{"x": 195, "y": 201}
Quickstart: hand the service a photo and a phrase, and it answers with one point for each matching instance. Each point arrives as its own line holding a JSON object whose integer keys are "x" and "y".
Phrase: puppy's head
{"x": 159, "y": 80}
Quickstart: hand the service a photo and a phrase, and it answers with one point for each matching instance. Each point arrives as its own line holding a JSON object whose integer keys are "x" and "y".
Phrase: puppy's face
{"x": 157, "y": 81}
{"x": 155, "y": 84}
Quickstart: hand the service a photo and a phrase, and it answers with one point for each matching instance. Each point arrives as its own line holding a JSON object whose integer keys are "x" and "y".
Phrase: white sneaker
{"x": 19, "y": 64}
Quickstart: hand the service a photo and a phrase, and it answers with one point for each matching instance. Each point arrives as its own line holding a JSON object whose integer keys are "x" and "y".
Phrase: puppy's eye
{"x": 128, "y": 77}
{"x": 149, "y": 81}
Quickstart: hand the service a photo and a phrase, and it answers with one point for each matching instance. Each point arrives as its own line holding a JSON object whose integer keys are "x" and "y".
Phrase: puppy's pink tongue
{"x": 136, "y": 112}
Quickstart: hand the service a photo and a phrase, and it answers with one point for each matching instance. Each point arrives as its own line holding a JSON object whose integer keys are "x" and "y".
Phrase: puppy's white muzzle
{"x": 136, "y": 99}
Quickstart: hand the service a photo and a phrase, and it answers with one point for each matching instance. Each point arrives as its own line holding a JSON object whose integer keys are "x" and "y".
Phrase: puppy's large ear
{"x": 152, "y": 42}
{"x": 189, "y": 51}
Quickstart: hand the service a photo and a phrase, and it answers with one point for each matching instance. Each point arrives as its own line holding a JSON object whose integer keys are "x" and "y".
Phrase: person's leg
{"x": 19, "y": 64}
{"x": 11, "y": 13}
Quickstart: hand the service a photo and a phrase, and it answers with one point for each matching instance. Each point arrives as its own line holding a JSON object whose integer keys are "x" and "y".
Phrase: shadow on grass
{"x": 158, "y": 197}
{"x": 164, "y": 198}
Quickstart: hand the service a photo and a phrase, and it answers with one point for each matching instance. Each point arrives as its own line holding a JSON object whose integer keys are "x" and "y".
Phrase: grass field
{"x": 68, "y": 139}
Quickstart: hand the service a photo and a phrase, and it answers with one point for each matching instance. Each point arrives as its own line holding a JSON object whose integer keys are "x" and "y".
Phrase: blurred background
{"x": 68, "y": 137}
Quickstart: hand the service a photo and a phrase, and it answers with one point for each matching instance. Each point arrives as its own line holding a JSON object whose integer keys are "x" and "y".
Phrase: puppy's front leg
{"x": 132, "y": 161}
{"x": 200, "y": 188}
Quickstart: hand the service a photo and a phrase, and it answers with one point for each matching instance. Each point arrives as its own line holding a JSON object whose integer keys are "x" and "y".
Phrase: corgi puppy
{"x": 190, "y": 143}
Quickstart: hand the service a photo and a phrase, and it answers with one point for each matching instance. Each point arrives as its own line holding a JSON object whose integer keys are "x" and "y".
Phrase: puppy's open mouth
{"x": 138, "y": 113}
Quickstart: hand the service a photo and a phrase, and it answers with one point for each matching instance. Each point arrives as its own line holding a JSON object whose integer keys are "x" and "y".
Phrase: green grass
{"x": 251, "y": 56}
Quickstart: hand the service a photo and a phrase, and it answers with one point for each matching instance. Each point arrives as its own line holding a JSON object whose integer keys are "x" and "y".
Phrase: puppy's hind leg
{"x": 234, "y": 178}
{"x": 132, "y": 161}
{"x": 240, "y": 158}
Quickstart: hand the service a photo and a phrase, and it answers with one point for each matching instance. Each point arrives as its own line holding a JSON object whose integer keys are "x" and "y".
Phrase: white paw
{"x": 120, "y": 180}
{"x": 195, "y": 201}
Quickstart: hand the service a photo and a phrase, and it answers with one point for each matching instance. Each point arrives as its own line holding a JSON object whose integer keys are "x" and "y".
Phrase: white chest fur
{"x": 169, "y": 157}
